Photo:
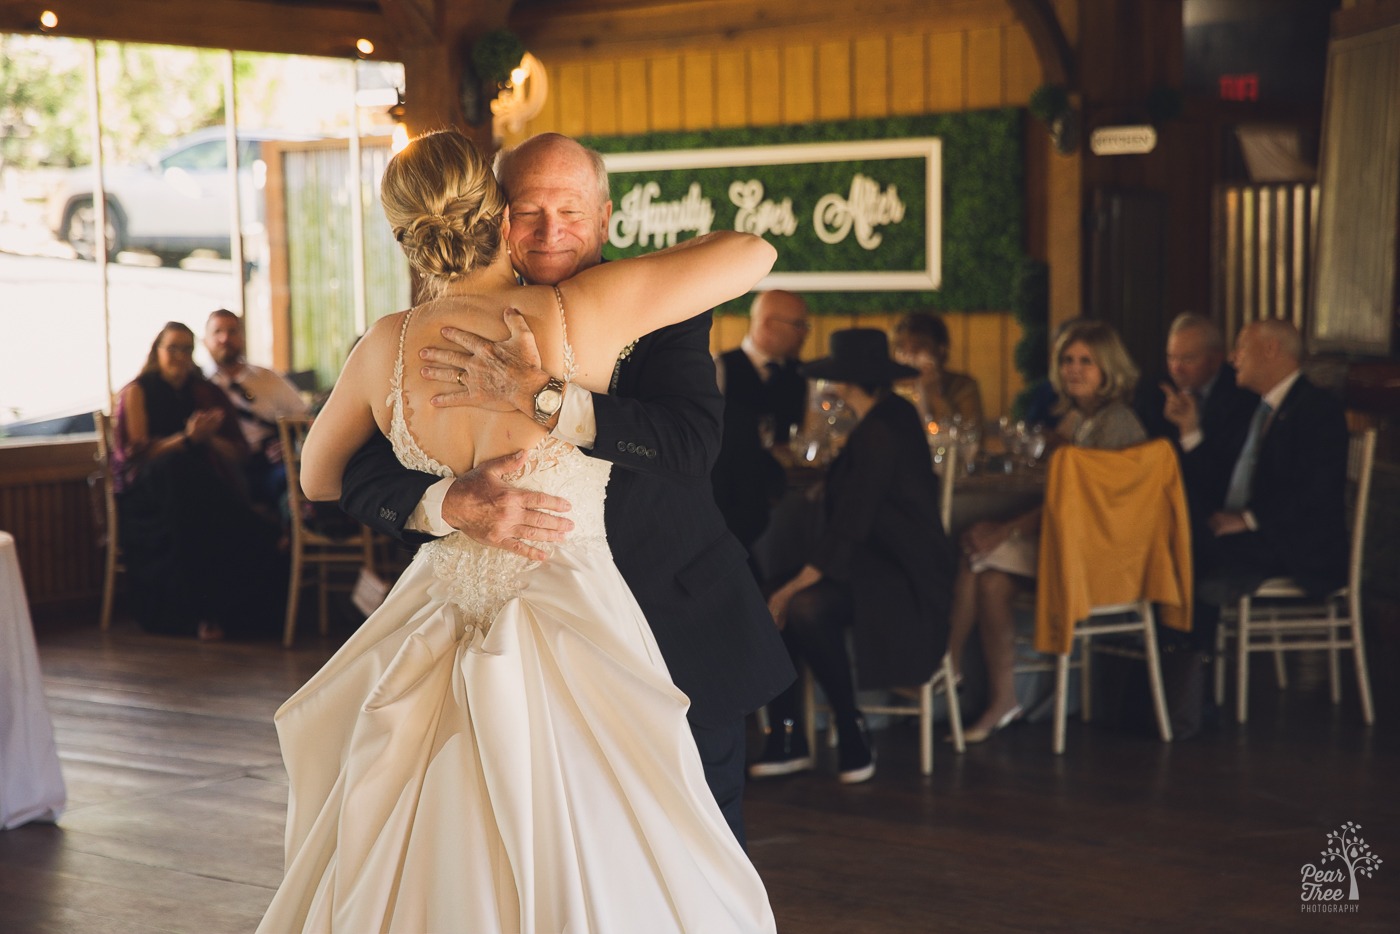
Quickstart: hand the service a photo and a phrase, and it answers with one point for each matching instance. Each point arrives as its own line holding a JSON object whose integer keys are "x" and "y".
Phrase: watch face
{"x": 549, "y": 400}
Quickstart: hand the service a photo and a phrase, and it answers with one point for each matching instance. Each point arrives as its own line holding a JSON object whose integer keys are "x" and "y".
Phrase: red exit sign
{"x": 1239, "y": 87}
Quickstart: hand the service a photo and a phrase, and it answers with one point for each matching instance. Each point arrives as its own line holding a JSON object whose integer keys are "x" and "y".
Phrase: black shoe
{"x": 854, "y": 760}
{"x": 785, "y": 752}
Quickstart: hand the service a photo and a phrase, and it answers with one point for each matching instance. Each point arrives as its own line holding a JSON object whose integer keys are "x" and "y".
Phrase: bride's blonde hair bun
{"x": 444, "y": 205}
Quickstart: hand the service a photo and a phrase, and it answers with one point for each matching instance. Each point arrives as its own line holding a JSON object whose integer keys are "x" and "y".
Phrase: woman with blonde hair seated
{"x": 1094, "y": 377}
{"x": 921, "y": 340}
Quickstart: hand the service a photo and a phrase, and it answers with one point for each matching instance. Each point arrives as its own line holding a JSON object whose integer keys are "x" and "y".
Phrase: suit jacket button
{"x": 651, "y": 453}
{"x": 622, "y": 446}
{"x": 631, "y": 448}
{"x": 388, "y": 515}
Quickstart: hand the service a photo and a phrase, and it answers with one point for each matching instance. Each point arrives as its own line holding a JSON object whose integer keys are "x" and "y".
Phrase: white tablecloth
{"x": 31, "y": 785}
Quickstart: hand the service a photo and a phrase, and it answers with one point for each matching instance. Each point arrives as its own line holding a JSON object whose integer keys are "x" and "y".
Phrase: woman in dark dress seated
{"x": 199, "y": 560}
{"x": 881, "y": 568}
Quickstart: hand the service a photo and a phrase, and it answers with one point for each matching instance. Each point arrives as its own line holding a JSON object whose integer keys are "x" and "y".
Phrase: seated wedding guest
{"x": 921, "y": 341}
{"x": 881, "y": 568}
{"x": 1200, "y": 409}
{"x": 199, "y": 560}
{"x": 258, "y": 396}
{"x": 1284, "y": 508}
{"x": 765, "y": 398}
{"x": 1206, "y": 415}
{"x": 1094, "y": 376}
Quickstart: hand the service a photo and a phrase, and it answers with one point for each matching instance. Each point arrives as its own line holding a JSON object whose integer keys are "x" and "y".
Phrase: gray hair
{"x": 1194, "y": 321}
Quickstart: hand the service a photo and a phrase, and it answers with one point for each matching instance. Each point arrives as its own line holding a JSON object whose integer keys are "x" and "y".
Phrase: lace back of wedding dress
{"x": 477, "y": 578}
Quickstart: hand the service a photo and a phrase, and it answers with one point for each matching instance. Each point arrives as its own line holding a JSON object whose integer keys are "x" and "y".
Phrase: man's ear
{"x": 607, "y": 216}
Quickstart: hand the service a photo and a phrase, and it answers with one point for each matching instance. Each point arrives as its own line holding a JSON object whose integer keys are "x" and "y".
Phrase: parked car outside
{"x": 176, "y": 203}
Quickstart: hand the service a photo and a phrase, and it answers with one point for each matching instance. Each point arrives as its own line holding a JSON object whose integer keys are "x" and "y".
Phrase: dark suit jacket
{"x": 661, "y": 431}
{"x": 1225, "y": 419}
{"x": 884, "y": 538}
{"x": 746, "y": 478}
{"x": 1298, "y": 496}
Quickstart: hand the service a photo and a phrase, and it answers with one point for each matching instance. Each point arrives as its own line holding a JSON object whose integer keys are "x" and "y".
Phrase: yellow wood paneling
{"x": 633, "y": 102}
{"x": 799, "y": 84}
{"x": 947, "y": 71}
{"x": 987, "y": 356}
{"x": 959, "y": 356}
{"x": 871, "y": 70}
{"x": 602, "y": 98}
{"x": 547, "y": 121}
{"x": 1023, "y": 72}
{"x": 765, "y": 87}
{"x": 731, "y": 89}
{"x": 665, "y": 93}
{"x": 834, "y": 80}
{"x": 984, "y": 68}
{"x": 907, "y": 73}
{"x": 572, "y": 91}
{"x": 727, "y": 332}
{"x": 698, "y": 91}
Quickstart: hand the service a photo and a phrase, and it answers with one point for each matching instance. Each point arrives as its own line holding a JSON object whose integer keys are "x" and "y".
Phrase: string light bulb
{"x": 48, "y": 21}
{"x": 364, "y": 48}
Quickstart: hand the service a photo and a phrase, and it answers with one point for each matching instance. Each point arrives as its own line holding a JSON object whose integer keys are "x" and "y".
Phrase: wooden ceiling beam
{"x": 415, "y": 22}
{"x": 1048, "y": 38}
{"x": 243, "y": 25}
{"x": 609, "y": 27}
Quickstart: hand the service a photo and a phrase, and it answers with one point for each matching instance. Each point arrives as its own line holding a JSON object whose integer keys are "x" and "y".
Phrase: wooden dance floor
{"x": 177, "y": 796}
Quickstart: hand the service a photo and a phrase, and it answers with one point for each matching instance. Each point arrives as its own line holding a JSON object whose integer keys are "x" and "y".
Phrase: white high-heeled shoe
{"x": 975, "y": 735}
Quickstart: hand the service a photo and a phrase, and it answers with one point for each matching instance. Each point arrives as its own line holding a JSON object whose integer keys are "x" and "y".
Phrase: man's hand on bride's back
{"x": 485, "y": 508}
{"x": 499, "y": 375}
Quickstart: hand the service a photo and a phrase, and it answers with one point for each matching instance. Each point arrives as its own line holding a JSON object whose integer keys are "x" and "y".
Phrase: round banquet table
{"x": 31, "y": 784}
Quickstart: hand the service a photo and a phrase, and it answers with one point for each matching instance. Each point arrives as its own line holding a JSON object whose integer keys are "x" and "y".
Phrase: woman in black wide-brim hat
{"x": 882, "y": 566}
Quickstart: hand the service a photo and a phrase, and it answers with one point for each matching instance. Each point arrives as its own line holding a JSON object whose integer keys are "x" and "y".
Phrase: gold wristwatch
{"x": 548, "y": 400}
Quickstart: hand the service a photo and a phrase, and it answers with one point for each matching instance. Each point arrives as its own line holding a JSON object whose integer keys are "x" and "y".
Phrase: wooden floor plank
{"x": 178, "y": 798}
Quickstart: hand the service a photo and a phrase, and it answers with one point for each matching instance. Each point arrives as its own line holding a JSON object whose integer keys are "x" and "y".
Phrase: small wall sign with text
{"x": 846, "y": 216}
{"x": 1122, "y": 140}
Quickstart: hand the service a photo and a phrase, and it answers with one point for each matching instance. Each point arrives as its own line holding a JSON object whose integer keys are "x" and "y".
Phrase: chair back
{"x": 291, "y": 431}
{"x": 105, "y": 443}
{"x": 1361, "y": 458}
{"x": 1115, "y": 530}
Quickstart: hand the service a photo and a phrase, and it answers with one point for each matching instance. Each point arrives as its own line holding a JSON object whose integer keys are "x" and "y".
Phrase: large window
{"x": 183, "y": 234}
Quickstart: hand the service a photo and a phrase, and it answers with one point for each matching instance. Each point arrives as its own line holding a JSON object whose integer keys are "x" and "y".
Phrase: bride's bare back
{"x": 461, "y": 437}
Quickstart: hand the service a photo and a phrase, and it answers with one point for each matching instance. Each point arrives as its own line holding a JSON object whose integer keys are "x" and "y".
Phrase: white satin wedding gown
{"x": 500, "y": 748}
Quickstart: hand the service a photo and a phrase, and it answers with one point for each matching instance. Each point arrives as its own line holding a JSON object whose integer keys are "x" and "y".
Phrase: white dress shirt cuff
{"x": 577, "y": 424}
{"x": 427, "y": 515}
{"x": 1250, "y": 521}
{"x": 1192, "y": 440}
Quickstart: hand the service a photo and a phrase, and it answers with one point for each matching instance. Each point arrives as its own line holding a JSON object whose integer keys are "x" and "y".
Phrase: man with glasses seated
{"x": 259, "y": 396}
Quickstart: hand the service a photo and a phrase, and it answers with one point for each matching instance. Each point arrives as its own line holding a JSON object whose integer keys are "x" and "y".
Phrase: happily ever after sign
{"x": 845, "y": 216}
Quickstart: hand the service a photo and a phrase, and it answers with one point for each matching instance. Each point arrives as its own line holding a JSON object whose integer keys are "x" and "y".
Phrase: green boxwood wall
{"x": 983, "y": 198}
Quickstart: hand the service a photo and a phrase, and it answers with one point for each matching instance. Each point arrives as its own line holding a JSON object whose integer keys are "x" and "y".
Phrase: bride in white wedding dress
{"x": 499, "y": 748}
